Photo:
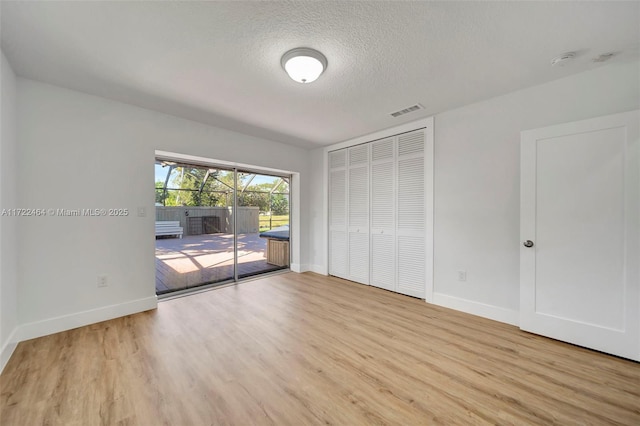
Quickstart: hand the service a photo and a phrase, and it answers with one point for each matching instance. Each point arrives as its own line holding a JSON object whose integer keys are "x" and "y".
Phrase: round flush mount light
{"x": 304, "y": 65}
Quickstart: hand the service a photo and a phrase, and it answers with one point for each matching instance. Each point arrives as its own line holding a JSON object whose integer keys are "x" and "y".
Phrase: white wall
{"x": 318, "y": 211}
{"x": 477, "y": 183}
{"x": 81, "y": 151}
{"x": 8, "y": 224}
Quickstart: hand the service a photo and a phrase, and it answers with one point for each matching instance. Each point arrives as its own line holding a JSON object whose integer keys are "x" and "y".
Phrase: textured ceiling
{"x": 219, "y": 62}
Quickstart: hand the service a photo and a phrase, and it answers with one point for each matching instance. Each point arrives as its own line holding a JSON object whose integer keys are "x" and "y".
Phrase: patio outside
{"x": 188, "y": 262}
{"x": 198, "y": 203}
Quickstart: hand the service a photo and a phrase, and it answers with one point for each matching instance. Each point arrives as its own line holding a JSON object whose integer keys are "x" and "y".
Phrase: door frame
{"x": 294, "y": 203}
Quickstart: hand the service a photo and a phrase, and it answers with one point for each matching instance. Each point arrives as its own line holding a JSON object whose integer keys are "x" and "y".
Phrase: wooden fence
{"x": 211, "y": 220}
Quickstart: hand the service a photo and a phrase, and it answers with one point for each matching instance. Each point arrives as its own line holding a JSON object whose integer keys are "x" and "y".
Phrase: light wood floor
{"x": 298, "y": 349}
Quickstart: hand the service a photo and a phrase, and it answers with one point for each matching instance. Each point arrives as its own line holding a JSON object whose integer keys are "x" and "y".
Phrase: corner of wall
{"x": 8, "y": 224}
{"x": 298, "y": 268}
{"x": 319, "y": 269}
{"x": 318, "y": 204}
{"x": 7, "y": 348}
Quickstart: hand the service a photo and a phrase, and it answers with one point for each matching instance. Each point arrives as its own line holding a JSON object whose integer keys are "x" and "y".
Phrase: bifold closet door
{"x": 338, "y": 247}
{"x": 377, "y": 209}
{"x": 383, "y": 214}
{"x": 358, "y": 213}
{"x": 411, "y": 214}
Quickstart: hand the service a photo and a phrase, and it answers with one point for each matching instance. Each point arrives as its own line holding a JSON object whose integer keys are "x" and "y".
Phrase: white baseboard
{"x": 67, "y": 322}
{"x": 295, "y": 267}
{"x": 319, "y": 269}
{"x": 7, "y": 348}
{"x": 495, "y": 313}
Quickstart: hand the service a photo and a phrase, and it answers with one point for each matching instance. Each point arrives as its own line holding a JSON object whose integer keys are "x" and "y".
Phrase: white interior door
{"x": 580, "y": 214}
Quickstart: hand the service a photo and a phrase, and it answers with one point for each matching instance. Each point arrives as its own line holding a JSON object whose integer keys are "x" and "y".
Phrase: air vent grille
{"x": 407, "y": 110}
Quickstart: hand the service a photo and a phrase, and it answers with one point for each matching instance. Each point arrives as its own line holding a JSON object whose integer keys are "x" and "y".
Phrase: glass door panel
{"x": 194, "y": 226}
{"x": 262, "y": 223}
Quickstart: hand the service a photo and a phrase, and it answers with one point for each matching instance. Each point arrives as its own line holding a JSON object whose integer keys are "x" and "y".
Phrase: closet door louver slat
{"x": 411, "y": 143}
{"x": 358, "y": 193}
{"x": 383, "y": 214}
{"x": 411, "y": 223}
{"x": 411, "y": 211}
{"x": 338, "y": 245}
{"x": 411, "y": 266}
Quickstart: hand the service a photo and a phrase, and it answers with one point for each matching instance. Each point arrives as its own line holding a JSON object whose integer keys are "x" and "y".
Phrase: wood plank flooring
{"x": 299, "y": 349}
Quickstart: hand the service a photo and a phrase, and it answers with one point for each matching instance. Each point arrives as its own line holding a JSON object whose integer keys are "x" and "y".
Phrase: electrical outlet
{"x": 462, "y": 275}
{"x": 102, "y": 280}
{"x": 142, "y": 212}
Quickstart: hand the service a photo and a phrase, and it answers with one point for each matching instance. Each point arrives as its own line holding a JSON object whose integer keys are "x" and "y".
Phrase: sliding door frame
{"x": 236, "y": 169}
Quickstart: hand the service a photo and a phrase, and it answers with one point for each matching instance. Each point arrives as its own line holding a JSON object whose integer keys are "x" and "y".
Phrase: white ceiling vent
{"x": 407, "y": 110}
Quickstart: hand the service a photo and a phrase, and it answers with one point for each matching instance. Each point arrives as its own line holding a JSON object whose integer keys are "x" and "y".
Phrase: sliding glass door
{"x": 266, "y": 198}
{"x": 216, "y": 225}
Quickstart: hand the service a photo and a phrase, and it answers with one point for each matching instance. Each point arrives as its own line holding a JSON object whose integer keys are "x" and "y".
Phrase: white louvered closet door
{"x": 358, "y": 213}
{"x": 383, "y": 214}
{"x": 338, "y": 247}
{"x": 411, "y": 214}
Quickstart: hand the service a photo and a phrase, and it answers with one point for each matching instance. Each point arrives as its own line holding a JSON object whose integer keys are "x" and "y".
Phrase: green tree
{"x": 280, "y": 204}
{"x": 186, "y": 188}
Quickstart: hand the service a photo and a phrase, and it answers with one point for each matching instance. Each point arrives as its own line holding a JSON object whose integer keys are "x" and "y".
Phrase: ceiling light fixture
{"x": 304, "y": 65}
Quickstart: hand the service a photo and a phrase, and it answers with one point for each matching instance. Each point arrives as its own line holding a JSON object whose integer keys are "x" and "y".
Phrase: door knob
{"x": 528, "y": 243}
